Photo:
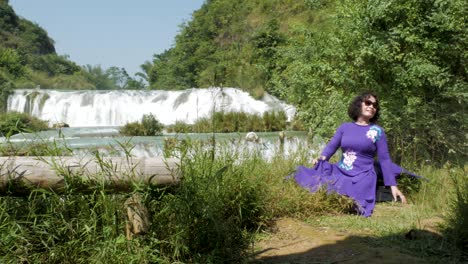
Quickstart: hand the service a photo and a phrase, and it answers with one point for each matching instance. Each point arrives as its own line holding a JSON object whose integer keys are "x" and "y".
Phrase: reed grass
{"x": 228, "y": 122}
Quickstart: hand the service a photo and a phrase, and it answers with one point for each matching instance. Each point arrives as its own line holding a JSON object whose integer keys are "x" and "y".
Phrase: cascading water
{"x": 118, "y": 107}
{"x": 94, "y": 117}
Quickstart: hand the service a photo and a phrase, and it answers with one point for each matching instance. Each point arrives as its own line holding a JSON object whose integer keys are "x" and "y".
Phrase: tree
{"x": 414, "y": 54}
{"x": 99, "y": 77}
{"x": 118, "y": 76}
{"x": 11, "y": 62}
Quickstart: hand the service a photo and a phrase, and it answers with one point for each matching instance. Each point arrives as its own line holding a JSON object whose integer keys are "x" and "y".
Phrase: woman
{"x": 354, "y": 175}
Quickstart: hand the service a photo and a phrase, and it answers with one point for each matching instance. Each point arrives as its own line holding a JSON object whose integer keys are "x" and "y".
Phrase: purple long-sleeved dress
{"x": 354, "y": 174}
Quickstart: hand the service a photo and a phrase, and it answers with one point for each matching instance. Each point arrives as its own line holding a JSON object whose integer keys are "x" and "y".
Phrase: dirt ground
{"x": 294, "y": 241}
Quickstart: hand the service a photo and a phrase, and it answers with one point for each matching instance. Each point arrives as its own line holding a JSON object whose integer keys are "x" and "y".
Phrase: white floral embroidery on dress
{"x": 347, "y": 160}
{"x": 374, "y": 133}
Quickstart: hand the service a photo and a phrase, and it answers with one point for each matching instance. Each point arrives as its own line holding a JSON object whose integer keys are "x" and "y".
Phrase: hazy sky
{"x": 118, "y": 33}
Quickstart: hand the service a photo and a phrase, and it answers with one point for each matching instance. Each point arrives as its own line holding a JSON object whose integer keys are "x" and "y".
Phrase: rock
{"x": 60, "y": 125}
{"x": 251, "y": 136}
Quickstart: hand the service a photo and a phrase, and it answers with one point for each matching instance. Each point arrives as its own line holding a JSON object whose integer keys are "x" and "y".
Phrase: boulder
{"x": 60, "y": 125}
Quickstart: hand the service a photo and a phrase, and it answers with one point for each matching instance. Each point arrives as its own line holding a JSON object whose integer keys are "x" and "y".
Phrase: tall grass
{"x": 226, "y": 122}
{"x": 225, "y": 197}
{"x": 457, "y": 219}
{"x": 210, "y": 217}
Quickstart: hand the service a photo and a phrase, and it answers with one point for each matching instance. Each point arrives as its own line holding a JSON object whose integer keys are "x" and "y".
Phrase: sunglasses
{"x": 369, "y": 103}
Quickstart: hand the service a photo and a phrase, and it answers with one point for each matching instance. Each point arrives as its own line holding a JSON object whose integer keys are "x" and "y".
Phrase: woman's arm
{"x": 333, "y": 145}
{"x": 386, "y": 165}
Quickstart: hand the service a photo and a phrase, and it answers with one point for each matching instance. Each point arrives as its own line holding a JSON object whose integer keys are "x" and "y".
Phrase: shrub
{"x": 209, "y": 217}
{"x": 14, "y": 122}
{"x": 6, "y": 88}
{"x": 180, "y": 127}
{"x": 229, "y": 122}
{"x": 10, "y": 61}
{"x": 457, "y": 220}
{"x": 149, "y": 126}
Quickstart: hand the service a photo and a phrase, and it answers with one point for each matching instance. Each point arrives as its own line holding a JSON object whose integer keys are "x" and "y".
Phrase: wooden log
{"x": 21, "y": 174}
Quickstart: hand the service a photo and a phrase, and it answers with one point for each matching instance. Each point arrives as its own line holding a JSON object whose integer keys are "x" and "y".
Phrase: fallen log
{"x": 23, "y": 174}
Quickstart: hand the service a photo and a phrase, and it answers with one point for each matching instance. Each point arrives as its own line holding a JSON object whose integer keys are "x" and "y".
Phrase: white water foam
{"x": 118, "y": 107}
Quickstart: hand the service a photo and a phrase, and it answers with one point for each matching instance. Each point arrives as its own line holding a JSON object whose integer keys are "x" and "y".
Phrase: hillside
{"x": 317, "y": 54}
{"x": 28, "y": 57}
{"x": 234, "y": 44}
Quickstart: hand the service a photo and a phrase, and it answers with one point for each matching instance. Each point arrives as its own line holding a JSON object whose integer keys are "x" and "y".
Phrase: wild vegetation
{"x": 231, "y": 122}
{"x": 14, "y": 122}
{"x": 226, "y": 199}
{"x": 148, "y": 126}
{"x": 219, "y": 122}
{"x": 316, "y": 54}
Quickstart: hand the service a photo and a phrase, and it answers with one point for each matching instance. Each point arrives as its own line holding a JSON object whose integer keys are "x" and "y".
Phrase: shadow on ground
{"x": 306, "y": 244}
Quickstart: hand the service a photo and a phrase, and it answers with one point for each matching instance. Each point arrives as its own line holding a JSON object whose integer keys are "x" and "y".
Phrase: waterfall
{"x": 118, "y": 107}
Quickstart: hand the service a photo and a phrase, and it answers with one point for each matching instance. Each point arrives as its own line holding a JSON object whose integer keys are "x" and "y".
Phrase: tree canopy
{"x": 317, "y": 54}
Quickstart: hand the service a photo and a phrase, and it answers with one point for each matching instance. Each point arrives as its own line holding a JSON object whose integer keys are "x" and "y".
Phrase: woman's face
{"x": 369, "y": 107}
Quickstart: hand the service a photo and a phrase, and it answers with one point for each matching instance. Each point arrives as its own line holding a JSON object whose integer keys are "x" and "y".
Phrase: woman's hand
{"x": 314, "y": 161}
{"x": 397, "y": 193}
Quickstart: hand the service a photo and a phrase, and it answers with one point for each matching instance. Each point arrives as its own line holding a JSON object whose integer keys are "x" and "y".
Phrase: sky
{"x": 109, "y": 33}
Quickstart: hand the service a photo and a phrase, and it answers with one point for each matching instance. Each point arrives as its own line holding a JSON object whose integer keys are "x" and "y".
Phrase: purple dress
{"x": 354, "y": 175}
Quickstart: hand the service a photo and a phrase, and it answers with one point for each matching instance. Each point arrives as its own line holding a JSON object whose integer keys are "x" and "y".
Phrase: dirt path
{"x": 297, "y": 242}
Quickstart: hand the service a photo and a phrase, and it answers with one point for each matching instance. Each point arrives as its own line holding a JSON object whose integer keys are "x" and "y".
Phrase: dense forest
{"x": 28, "y": 59}
{"x": 316, "y": 54}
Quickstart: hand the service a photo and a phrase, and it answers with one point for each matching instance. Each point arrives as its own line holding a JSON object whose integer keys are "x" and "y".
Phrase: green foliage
{"x": 52, "y": 64}
{"x": 318, "y": 54}
{"x": 56, "y": 228}
{"x": 231, "y": 44}
{"x": 6, "y": 88}
{"x": 457, "y": 226}
{"x": 211, "y": 213}
{"x": 33, "y": 149}
{"x": 98, "y": 77}
{"x": 231, "y": 122}
{"x": 111, "y": 78}
{"x": 118, "y": 76}
{"x": 14, "y": 122}
{"x": 223, "y": 200}
{"x": 28, "y": 57}
{"x": 413, "y": 54}
{"x": 34, "y": 39}
{"x": 22, "y": 35}
{"x": 149, "y": 126}
{"x": 11, "y": 62}
{"x": 8, "y": 18}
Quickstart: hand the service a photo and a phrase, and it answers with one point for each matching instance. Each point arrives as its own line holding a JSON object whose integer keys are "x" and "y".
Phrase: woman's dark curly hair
{"x": 354, "y": 109}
